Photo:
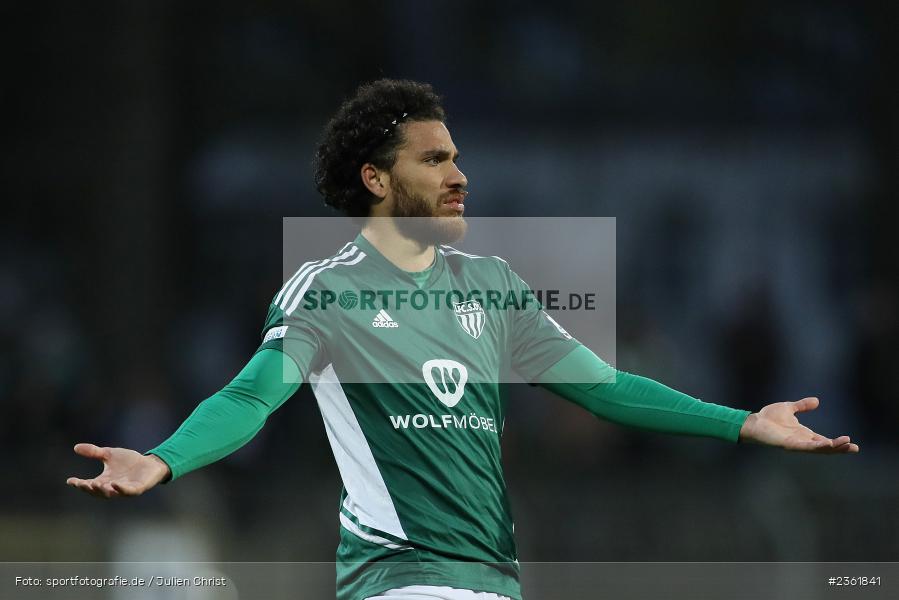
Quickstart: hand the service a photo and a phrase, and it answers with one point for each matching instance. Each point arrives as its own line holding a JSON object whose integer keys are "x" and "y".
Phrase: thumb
{"x": 91, "y": 451}
{"x": 805, "y": 405}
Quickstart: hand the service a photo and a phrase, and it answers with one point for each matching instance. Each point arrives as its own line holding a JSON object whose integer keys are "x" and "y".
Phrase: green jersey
{"x": 407, "y": 381}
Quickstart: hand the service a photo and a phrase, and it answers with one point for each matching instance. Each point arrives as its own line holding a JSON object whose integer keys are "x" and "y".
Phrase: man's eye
{"x": 433, "y": 160}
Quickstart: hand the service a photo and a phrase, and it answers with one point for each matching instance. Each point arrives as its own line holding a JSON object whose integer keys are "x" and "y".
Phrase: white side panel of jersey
{"x": 369, "y": 537}
{"x": 366, "y": 491}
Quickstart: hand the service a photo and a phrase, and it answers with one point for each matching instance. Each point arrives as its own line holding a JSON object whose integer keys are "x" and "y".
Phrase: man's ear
{"x": 375, "y": 180}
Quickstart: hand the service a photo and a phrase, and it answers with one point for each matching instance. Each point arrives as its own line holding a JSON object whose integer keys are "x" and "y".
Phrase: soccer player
{"x": 410, "y": 398}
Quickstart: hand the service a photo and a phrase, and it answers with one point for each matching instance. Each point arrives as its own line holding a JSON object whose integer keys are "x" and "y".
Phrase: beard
{"x": 419, "y": 219}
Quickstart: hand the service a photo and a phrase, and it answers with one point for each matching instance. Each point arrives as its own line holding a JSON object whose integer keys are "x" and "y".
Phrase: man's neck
{"x": 405, "y": 253}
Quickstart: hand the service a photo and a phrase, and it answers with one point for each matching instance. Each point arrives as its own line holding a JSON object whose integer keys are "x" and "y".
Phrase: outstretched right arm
{"x": 217, "y": 427}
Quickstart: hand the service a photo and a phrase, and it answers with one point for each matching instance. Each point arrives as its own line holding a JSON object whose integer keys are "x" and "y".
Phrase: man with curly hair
{"x": 410, "y": 400}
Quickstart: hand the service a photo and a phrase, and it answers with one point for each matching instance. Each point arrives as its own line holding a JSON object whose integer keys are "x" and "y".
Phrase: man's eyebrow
{"x": 440, "y": 153}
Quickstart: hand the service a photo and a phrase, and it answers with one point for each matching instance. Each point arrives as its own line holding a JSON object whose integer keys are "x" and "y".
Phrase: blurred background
{"x": 749, "y": 151}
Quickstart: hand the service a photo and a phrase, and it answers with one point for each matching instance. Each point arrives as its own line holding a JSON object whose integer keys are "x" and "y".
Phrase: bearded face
{"x": 437, "y": 221}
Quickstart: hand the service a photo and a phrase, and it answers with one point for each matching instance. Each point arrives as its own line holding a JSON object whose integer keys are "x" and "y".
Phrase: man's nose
{"x": 456, "y": 178}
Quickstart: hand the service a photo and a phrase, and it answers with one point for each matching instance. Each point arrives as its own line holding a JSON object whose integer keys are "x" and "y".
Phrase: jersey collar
{"x": 384, "y": 263}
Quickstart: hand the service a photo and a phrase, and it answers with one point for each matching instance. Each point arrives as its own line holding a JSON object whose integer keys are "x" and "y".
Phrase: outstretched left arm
{"x": 585, "y": 379}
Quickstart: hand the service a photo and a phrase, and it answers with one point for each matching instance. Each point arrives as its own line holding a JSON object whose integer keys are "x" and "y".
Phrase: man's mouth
{"x": 455, "y": 201}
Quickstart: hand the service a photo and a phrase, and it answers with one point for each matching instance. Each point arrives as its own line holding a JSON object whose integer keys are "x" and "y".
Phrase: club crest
{"x": 471, "y": 317}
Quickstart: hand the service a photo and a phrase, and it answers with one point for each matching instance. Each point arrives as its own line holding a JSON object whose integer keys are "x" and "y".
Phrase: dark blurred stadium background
{"x": 748, "y": 150}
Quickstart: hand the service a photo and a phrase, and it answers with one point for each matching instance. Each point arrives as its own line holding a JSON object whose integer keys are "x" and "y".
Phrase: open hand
{"x": 777, "y": 425}
{"x": 125, "y": 472}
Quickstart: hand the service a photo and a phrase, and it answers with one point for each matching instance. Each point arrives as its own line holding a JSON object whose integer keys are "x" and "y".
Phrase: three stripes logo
{"x": 290, "y": 296}
{"x": 471, "y": 317}
{"x": 382, "y": 319}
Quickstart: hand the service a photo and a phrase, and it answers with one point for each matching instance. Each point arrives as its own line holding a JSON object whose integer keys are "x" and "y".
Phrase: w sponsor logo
{"x": 471, "y": 317}
{"x": 446, "y": 379}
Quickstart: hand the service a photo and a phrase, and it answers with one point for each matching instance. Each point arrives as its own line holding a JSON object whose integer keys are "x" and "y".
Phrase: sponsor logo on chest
{"x": 383, "y": 320}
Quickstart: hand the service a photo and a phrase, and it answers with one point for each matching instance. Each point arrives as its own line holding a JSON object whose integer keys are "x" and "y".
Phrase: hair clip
{"x": 395, "y": 122}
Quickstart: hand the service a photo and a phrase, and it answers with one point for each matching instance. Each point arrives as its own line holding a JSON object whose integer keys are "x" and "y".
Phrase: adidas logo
{"x": 382, "y": 319}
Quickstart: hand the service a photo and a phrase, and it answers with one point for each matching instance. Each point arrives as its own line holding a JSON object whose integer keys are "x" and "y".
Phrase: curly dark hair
{"x": 363, "y": 131}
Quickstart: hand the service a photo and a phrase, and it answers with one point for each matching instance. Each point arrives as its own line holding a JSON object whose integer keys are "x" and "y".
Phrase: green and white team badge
{"x": 471, "y": 317}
